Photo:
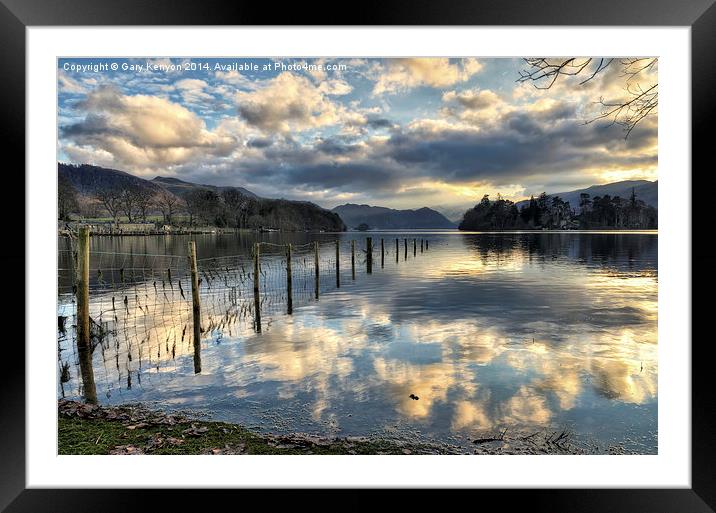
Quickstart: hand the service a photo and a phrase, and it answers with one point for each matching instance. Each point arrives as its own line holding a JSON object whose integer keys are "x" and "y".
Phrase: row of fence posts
{"x": 256, "y": 254}
{"x": 84, "y": 343}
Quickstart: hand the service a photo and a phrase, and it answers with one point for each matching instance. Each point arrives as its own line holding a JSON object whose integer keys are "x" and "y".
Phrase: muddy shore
{"x": 135, "y": 429}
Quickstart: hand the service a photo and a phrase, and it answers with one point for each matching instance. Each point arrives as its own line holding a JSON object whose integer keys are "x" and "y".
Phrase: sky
{"x": 401, "y": 133}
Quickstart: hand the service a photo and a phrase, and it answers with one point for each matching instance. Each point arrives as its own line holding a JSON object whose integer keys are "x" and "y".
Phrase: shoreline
{"x": 136, "y": 429}
{"x": 440, "y": 231}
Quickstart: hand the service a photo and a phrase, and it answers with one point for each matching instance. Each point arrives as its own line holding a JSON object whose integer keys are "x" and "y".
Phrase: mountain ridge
{"x": 384, "y": 218}
{"x": 177, "y": 186}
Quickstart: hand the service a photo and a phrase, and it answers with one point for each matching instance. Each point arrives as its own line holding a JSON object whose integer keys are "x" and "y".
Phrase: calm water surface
{"x": 519, "y": 330}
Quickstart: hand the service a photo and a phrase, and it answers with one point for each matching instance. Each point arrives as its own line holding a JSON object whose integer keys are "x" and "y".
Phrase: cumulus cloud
{"x": 335, "y": 87}
{"x": 402, "y": 74}
{"x": 291, "y": 102}
{"x": 235, "y": 78}
{"x": 475, "y": 106}
{"x": 193, "y": 90}
{"x": 67, "y": 84}
{"x": 142, "y": 130}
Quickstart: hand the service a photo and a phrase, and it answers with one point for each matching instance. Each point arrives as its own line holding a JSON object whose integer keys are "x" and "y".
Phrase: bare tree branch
{"x": 640, "y": 102}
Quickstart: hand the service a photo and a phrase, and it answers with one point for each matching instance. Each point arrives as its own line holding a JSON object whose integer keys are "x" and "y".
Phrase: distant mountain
{"x": 453, "y": 214}
{"x": 382, "y": 218}
{"x": 180, "y": 187}
{"x": 645, "y": 190}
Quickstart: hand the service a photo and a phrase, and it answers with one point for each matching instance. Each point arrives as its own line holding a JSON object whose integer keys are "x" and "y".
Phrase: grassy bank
{"x": 135, "y": 429}
{"x": 88, "y": 429}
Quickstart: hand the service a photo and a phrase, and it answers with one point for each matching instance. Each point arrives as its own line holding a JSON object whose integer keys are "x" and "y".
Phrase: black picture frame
{"x": 700, "y": 15}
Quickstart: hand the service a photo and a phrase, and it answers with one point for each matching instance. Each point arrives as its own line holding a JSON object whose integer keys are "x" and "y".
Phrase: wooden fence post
{"x": 426, "y": 244}
{"x": 397, "y": 250}
{"x": 406, "y": 248}
{"x": 257, "y": 296}
{"x": 315, "y": 258}
{"x": 382, "y": 254}
{"x": 289, "y": 283}
{"x": 338, "y": 264}
{"x": 415, "y": 247}
{"x": 84, "y": 342}
{"x": 73, "y": 259}
{"x": 196, "y": 306}
{"x": 422, "y": 244}
{"x": 353, "y": 259}
{"x": 369, "y": 254}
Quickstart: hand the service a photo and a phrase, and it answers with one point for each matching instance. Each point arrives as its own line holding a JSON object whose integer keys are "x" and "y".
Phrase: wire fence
{"x": 141, "y": 308}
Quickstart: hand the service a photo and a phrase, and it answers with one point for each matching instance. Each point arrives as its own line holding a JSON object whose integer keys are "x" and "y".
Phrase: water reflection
{"x": 490, "y": 331}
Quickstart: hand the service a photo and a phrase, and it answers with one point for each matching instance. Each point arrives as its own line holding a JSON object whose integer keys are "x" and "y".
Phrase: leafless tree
{"x": 111, "y": 200}
{"x": 66, "y": 198}
{"x": 237, "y": 206}
{"x": 640, "y": 101}
{"x": 129, "y": 202}
{"x": 168, "y": 203}
{"x": 144, "y": 199}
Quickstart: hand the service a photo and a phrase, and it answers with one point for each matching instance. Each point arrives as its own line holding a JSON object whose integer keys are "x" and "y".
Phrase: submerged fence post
{"x": 397, "y": 250}
{"x": 353, "y": 259}
{"x": 196, "y": 306}
{"x": 382, "y": 254}
{"x": 289, "y": 283}
{"x": 83, "y": 320}
{"x": 422, "y": 244}
{"x": 73, "y": 259}
{"x": 426, "y": 244}
{"x": 369, "y": 254}
{"x": 415, "y": 247}
{"x": 318, "y": 269}
{"x": 338, "y": 264}
{"x": 84, "y": 343}
{"x": 257, "y": 296}
{"x": 406, "y": 248}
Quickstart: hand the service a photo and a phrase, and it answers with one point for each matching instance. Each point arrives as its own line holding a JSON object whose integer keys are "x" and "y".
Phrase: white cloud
{"x": 143, "y": 131}
{"x": 291, "y": 102}
{"x": 193, "y": 90}
{"x": 67, "y": 84}
{"x": 403, "y": 74}
{"x": 335, "y": 87}
{"x": 235, "y": 78}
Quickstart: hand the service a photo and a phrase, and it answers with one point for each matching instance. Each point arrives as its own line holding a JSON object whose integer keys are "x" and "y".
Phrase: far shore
{"x": 185, "y": 230}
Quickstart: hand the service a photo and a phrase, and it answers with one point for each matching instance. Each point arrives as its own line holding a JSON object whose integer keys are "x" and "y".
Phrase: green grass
{"x": 100, "y": 436}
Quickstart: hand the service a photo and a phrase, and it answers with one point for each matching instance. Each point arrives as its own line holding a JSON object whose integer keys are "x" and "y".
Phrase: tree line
{"x": 226, "y": 208}
{"x": 553, "y": 213}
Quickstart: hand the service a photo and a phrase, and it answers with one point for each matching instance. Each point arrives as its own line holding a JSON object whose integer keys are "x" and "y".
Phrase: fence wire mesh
{"x": 140, "y": 305}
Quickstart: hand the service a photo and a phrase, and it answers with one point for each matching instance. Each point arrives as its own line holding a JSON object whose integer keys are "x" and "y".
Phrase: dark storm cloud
{"x": 359, "y": 176}
{"x": 92, "y": 125}
{"x": 520, "y": 147}
{"x": 335, "y": 147}
{"x": 260, "y": 142}
{"x": 376, "y": 123}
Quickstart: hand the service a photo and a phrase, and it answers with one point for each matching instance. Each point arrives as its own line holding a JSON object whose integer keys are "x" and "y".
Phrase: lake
{"x": 525, "y": 331}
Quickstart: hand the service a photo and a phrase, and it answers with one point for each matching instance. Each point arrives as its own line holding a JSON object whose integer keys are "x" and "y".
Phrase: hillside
{"x": 645, "y": 191}
{"x": 89, "y": 180}
{"x": 180, "y": 187}
{"x": 382, "y": 218}
{"x": 213, "y": 205}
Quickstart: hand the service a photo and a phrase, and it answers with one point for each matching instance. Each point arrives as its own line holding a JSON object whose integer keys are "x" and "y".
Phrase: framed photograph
{"x": 423, "y": 250}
